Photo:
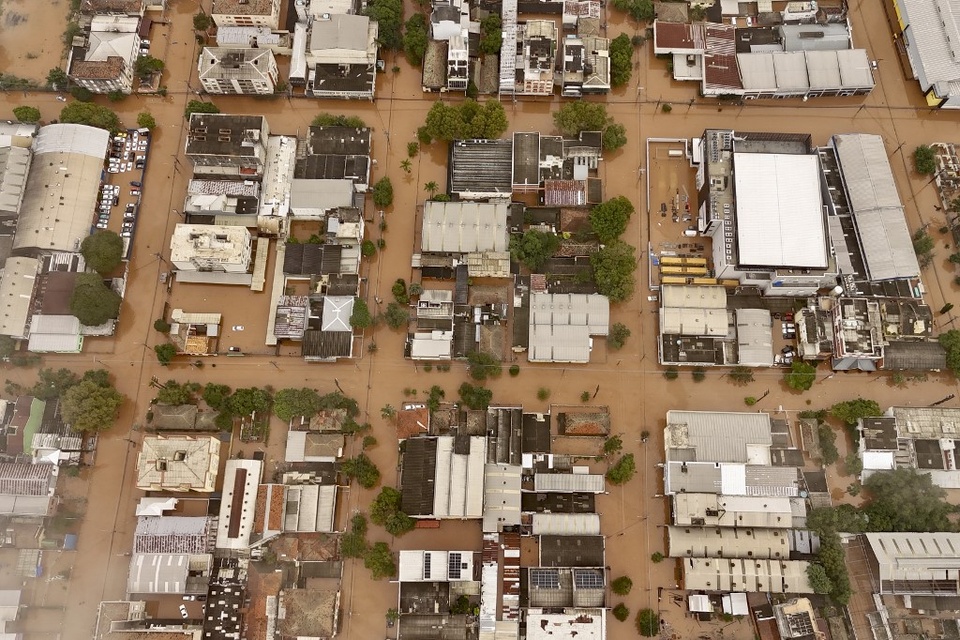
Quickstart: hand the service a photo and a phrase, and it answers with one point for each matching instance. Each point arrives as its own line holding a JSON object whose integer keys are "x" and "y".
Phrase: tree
{"x": 379, "y": 560}
{"x": 389, "y": 16}
{"x": 621, "y": 612}
{"x": 172, "y": 392}
{"x": 613, "y": 444}
{"x": 639, "y": 10}
{"x": 431, "y": 188}
{"x": 8, "y": 346}
{"x": 436, "y": 395}
{"x": 623, "y": 471}
{"x": 406, "y": 165}
{"x": 93, "y": 302}
{"x": 24, "y": 113}
{"x": 97, "y": 376}
{"x": 534, "y": 248}
{"x": 413, "y": 148}
{"x": 396, "y": 316}
{"x": 491, "y": 34}
{"x": 353, "y": 545}
{"x": 388, "y": 412}
{"x": 53, "y": 383}
{"x": 291, "y": 403}
{"x": 361, "y": 469}
{"x": 475, "y": 397}
{"x": 609, "y": 220}
{"x": 905, "y": 500}
{"x": 613, "y": 268}
{"x": 90, "y": 114}
{"x": 399, "y": 291}
{"x": 82, "y": 94}
{"x": 57, "y": 79}
{"x": 88, "y": 406}
{"x": 925, "y": 160}
{"x": 360, "y": 318}
{"x": 324, "y": 119}
{"x": 574, "y": 117}
{"x": 648, "y": 623}
{"x": 741, "y": 375}
{"x": 249, "y": 400}
{"x": 385, "y": 511}
{"x": 116, "y": 96}
{"x": 614, "y": 136}
{"x": 216, "y": 395}
{"x": 818, "y": 578}
{"x": 415, "y": 39}
{"x": 483, "y": 365}
{"x": 543, "y": 393}
{"x": 165, "y": 353}
{"x": 851, "y": 411}
{"x": 146, "y": 66}
{"x": 801, "y": 376}
{"x": 199, "y": 106}
{"x": 161, "y": 325}
{"x": 383, "y": 192}
{"x": 103, "y": 250}
{"x": 622, "y": 585}
{"x": 699, "y": 374}
{"x": 621, "y": 60}
{"x": 201, "y": 21}
{"x": 617, "y": 336}
{"x": 950, "y": 341}
{"x": 467, "y": 120}
{"x": 145, "y": 120}
{"x": 923, "y": 244}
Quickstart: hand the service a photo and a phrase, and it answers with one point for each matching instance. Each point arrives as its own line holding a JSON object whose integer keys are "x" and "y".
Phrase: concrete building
{"x": 26, "y": 490}
{"x": 335, "y": 153}
{"x": 732, "y": 542}
{"x": 227, "y": 145}
{"x": 17, "y": 283}
{"x": 238, "y": 512}
{"x": 433, "y": 337}
{"x": 61, "y": 189}
{"x": 246, "y": 13}
{"x": 435, "y": 566}
{"x": 105, "y": 59}
{"x": 342, "y": 56}
{"x": 915, "y": 563}
{"x": 211, "y": 248}
{"x": 586, "y": 66}
{"x": 928, "y": 31}
{"x": 169, "y": 573}
{"x": 178, "y": 463}
{"x": 749, "y": 575}
{"x": 715, "y": 510}
{"x": 238, "y": 71}
{"x": 529, "y": 58}
{"x": 921, "y": 438}
{"x": 562, "y": 326}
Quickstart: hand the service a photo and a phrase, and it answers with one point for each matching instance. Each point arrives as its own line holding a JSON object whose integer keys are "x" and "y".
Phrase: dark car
{"x": 135, "y": 183}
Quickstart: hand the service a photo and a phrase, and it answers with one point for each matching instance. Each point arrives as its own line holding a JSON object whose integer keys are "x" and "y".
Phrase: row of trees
{"x": 87, "y": 403}
{"x": 466, "y": 120}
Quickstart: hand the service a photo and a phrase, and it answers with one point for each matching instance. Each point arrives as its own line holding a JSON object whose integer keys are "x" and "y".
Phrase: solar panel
{"x": 426, "y": 565}
{"x": 453, "y": 566}
{"x": 545, "y": 578}
{"x": 588, "y": 579}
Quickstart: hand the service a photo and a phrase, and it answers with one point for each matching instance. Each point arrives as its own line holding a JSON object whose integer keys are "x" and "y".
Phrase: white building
{"x": 238, "y": 71}
{"x": 211, "y": 248}
{"x": 105, "y": 62}
{"x": 930, "y": 32}
{"x": 246, "y": 13}
{"x": 916, "y": 563}
{"x": 341, "y": 56}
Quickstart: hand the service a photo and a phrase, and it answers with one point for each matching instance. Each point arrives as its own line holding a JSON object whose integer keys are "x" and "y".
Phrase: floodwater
{"x": 630, "y": 382}
{"x": 31, "y": 35}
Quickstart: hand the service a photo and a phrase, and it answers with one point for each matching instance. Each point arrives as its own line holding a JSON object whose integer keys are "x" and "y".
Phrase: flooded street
{"x": 630, "y": 382}
{"x": 31, "y": 37}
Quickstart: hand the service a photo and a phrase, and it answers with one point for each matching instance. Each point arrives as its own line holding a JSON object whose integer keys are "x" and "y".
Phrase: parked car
{"x": 125, "y": 234}
{"x": 183, "y": 612}
{"x": 134, "y": 183}
{"x": 134, "y": 192}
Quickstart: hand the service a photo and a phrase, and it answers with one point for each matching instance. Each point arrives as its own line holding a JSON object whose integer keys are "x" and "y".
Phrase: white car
{"x": 238, "y": 327}
{"x": 183, "y": 612}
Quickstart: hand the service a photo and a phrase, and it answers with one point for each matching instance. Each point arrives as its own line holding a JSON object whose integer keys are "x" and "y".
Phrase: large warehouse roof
{"x": 877, "y": 210}
{"x": 915, "y": 557}
{"x": 464, "y": 227}
{"x": 779, "y": 211}
{"x": 61, "y": 191}
{"x": 935, "y": 55}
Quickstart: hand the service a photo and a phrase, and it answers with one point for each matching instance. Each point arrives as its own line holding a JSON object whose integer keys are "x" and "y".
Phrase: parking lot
{"x": 122, "y": 185}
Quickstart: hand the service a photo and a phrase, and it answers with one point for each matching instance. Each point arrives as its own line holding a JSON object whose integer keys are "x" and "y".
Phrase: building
{"x": 227, "y": 145}
{"x": 17, "y": 282}
{"x": 442, "y": 477}
{"x": 303, "y": 446}
{"x": 241, "y": 484}
{"x": 169, "y": 573}
{"x": 460, "y": 228}
{"x": 915, "y": 563}
{"x": 308, "y": 613}
{"x": 729, "y": 542}
{"x": 211, "y": 248}
{"x": 568, "y": 483}
{"x": 746, "y": 575}
{"x": 564, "y": 587}
{"x": 921, "y": 438}
{"x": 341, "y": 56}
{"x": 117, "y": 620}
{"x": 796, "y": 620}
{"x": 238, "y": 71}
{"x": 562, "y": 326}
{"x": 279, "y": 42}
{"x": 565, "y": 524}
{"x": 572, "y": 551}
{"x": 501, "y": 497}
{"x": 195, "y": 334}
{"x": 62, "y": 189}
{"x": 579, "y": 623}
{"x": 173, "y": 534}
{"x": 529, "y": 59}
{"x": 104, "y": 60}
{"x": 715, "y": 510}
{"x": 433, "y": 337}
{"x": 26, "y": 490}
{"x": 586, "y": 65}
{"x": 178, "y": 463}
{"x": 15, "y": 158}
{"x": 335, "y": 153}
{"x": 182, "y": 417}
{"x": 760, "y": 200}
{"x": 55, "y": 334}
{"x": 927, "y": 32}
{"x": 246, "y": 13}
{"x": 222, "y": 199}
{"x": 435, "y": 566}
{"x": 480, "y": 169}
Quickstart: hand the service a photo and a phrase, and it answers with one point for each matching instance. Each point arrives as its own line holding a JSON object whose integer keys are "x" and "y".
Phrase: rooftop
{"x": 935, "y": 52}
{"x": 242, "y": 7}
{"x": 236, "y": 64}
{"x": 435, "y": 566}
{"x": 464, "y": 227}
{"x": 561, "y": 325}
{"x": 173, "y": 534}
{"x": 221, "y": 134}
{"x": 572, "y": 551}
{"x": 750, "y": 575}
{"x": 184, "y": 463}
{"x": 479, "y": 167}
{"x": 708, "y": 436}
{"x": 582, "y": 624}
{"x": 309, "y": 613}
{"x": 917, "y": 562}
{"x": 173, "y": 573}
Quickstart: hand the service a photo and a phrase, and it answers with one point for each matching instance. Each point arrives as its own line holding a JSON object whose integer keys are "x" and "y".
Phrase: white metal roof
{"x": 435, "y": 566}
{"x": 458, "y": 479}
{"x": 916, "y": 556}
{"x": 155, "y": 506}
{"x": 16, "y": 292}
{"x": 876, "y": 207}
{"x": 779, "y": 210}
{"x": 309, "y": 508}
{"x": 715, "y": 436}
{"x": 251, "y": 483}
{"x": 935, "y": 37}
{"x": 566, "y": 524}
{"x": 568, "y": 482}
{"x": 582, "y": 624}
{"x": 464, "y": 227}
{"x": 727, "y": 542}
{"x": 501, "y": 496}
{"x": 749, "y": 575}
{"x": 561, "y": 325}
{"x": 693, "y": 296}
{"x": 754, "y": 337}
{"x": 709, "y": 509}
{"x": 336, "y": 313}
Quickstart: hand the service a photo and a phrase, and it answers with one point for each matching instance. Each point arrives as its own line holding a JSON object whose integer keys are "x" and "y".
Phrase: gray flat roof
{"x": 464, "y": 227}
{"x": 713, "y": 436}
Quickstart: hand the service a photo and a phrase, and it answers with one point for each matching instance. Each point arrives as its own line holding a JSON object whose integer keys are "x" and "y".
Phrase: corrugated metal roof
{"x": 746, "y": 575}
{"x": 916, "y": 556}
{"x": 566, "y": 524}
{"x": 727, "y": 542}
{"x": 779, "y": 212}
{"x": 934, "y": 37}
{"x": 464, "y": 227}
{"x": 568, "y": 482}
{"x": 561, "y": 325}
{"x": 876, "y": 207}
{"x": 718, "y": 436}
{"x": 501, "y": 496}
{"x": 458, "y": 481}
{"x": 754, "y": 337}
